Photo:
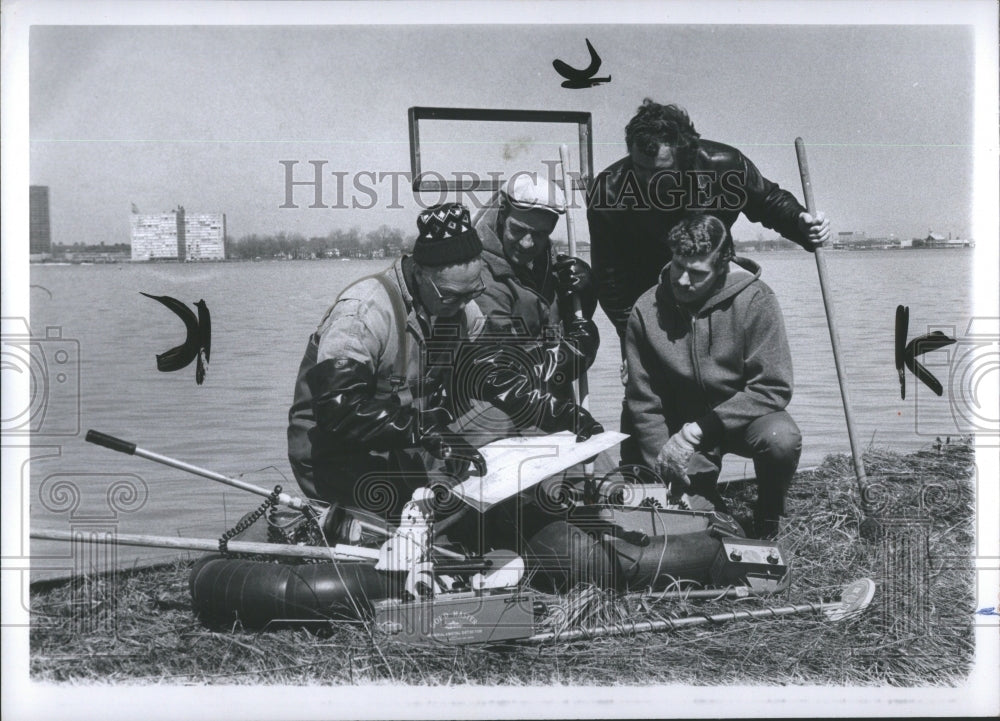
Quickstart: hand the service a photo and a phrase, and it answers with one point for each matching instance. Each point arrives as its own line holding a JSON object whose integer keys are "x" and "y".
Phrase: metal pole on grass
{"x": 284, "y": 499}
{"x": 855, "y": 598}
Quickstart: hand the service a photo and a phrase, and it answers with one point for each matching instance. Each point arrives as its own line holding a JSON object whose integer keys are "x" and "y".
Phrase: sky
{"x": 201, "y": 116}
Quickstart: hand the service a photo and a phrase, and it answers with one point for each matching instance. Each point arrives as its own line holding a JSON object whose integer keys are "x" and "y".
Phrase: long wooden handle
{"x": 807, "y": 191}
{"x": 567, "y": 184}
{"x": 582, "y": 385}
{"x": 338, "y": 552}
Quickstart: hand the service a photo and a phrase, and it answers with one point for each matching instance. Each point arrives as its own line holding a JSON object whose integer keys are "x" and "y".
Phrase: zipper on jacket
{"x": 694, "y": 361}
{"x": 694, "y": 353}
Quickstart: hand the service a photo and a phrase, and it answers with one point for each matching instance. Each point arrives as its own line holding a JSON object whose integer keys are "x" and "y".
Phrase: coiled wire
{"x": 248, "y": 520}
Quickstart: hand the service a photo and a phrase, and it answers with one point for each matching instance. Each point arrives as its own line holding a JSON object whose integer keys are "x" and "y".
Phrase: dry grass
{"x": 139, "y": 627}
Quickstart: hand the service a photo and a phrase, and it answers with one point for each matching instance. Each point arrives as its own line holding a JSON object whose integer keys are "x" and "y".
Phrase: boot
{"x": 765, "y": 529}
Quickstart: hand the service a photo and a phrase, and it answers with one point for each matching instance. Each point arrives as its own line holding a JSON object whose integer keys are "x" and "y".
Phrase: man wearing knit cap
{"x": 373, "y": 401}
{"x": 529, "y": 288}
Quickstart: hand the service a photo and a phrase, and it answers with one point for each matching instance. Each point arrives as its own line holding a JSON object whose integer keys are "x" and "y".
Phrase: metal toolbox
{"x": 458, "y": 618}
{"x": 760, "y": 565}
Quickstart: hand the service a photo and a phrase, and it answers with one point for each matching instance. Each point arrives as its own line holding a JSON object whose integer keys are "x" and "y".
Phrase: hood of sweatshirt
{"x": 486, "y": 227}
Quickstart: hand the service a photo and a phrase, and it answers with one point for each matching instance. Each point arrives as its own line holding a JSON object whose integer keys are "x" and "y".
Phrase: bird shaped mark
{"x": 197, "y": 344}
{"x": 577, "y": 79}
{"x": 906, "y": 353}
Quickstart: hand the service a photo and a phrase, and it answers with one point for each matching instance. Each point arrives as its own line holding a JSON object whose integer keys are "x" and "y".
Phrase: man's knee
{"x": 775, "y": 435}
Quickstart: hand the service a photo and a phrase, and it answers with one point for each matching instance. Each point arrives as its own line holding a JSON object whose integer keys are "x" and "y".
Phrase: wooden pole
{"x": 859, "y": 465}
{"x": 582, "y": 385}
{"x": 338, "y": 552}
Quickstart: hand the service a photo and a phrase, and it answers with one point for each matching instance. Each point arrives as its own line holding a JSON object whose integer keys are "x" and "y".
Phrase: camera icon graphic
{"x": 41, "y": 381}
{"x": 969, "y": 372}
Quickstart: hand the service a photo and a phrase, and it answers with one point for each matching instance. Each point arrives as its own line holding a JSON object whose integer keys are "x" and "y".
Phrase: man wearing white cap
{"x": 528, "y": 305}
{"x": 529, "y": 289}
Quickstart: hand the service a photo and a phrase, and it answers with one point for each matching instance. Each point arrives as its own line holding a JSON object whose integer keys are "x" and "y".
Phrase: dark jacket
{"x": 628, "y": 232}
{"x": 353, "y": 400}
{"x": 371, "y": 390}
{"x": 722, "y": 365}
{"x": 522, "y": 305}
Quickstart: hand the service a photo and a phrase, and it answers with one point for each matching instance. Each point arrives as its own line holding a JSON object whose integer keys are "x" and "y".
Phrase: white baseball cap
{"x": 527, "y": 191}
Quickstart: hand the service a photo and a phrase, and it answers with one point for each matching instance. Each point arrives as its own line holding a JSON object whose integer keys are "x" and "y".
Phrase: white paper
{"x": 516, "y": 464}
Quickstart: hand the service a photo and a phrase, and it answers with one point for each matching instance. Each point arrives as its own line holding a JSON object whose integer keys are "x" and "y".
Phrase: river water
{"x": 262, "y": 314}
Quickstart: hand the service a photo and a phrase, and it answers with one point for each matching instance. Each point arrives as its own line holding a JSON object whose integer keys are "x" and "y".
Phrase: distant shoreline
{"x": 128, "y": 261}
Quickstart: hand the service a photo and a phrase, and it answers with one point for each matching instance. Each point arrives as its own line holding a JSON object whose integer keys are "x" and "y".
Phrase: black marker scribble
{"x": 918, "y": 346}
{"x": 42, "y": 287}
{"x": 205, "y": 333}
{"x": 197, "y": 344}
{"x": 577, "y": 79}
{"x": 902, "y": 330}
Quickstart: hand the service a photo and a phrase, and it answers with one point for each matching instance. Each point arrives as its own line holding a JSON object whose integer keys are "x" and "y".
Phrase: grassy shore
{"x": 138, "y": 628}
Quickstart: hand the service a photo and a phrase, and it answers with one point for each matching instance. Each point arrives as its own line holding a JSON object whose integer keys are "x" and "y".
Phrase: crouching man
{"x": 710, "y": 373}
{"x": 530, "y": 290}
{"x": 374, "y": 397}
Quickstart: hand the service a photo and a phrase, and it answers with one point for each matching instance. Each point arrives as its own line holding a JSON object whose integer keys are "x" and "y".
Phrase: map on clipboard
{"x": 514, "y": 465}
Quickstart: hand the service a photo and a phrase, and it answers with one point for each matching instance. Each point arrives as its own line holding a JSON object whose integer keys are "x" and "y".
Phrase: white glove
{"x": 672, "y": 461}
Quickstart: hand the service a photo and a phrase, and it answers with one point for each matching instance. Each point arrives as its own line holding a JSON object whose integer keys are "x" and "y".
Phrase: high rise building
{"x": 39, "y": 230}
{"x": 178, "y": 235}
{"x": 154, "y": 236}
{"x": 204, "y": 236}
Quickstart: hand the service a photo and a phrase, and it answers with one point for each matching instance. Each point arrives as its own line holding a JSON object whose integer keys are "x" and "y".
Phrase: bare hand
{"x": 817, "y": 229}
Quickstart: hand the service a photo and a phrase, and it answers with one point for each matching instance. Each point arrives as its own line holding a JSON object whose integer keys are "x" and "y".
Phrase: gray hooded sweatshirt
{"x": 723, "y": 364}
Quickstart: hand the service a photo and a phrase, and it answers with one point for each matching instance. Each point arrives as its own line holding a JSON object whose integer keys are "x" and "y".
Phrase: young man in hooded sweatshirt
{"x": 710, "y": 373}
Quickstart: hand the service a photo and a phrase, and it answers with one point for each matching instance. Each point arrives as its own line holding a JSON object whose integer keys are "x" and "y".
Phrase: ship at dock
{"x": 859, "y": 240}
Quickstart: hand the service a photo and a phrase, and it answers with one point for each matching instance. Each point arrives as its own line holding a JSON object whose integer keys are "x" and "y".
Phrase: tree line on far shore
{"x": 382, "y": 242}
{"x": 385, "y": 242}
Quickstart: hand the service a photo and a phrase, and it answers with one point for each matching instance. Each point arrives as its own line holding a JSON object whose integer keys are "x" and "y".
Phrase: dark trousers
{"x": 774, "y": 442}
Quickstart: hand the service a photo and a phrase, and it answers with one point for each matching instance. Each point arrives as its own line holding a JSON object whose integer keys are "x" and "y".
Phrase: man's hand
{"x": 572, "y": 275}
{"x": 817, "y": 229}
{"x": 672, "y": 461}
{"x": 586, "y": 425}
{"x": 583, "y": 334}
{"x": 454, "y": 450}
{"x": 574, "y": 278}
{"x": 435, "y": 419}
